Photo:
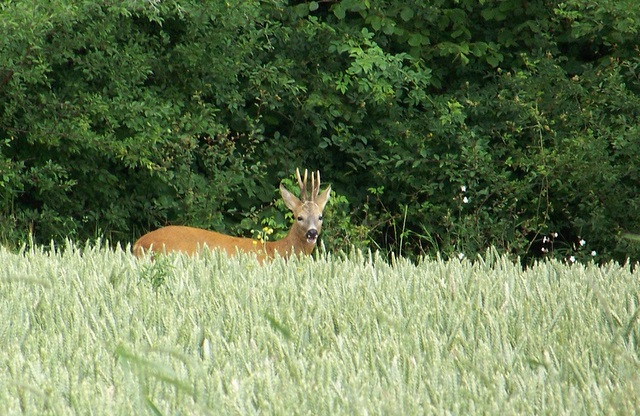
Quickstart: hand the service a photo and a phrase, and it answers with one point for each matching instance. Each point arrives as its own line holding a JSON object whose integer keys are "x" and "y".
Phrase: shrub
{"x": 444, "y": 127}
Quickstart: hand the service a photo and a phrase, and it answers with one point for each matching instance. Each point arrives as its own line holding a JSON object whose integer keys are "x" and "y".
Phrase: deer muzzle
{"x": 312, "y": 236}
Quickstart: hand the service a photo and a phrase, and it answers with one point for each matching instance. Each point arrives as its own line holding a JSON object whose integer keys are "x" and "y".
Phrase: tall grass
{"x": 96, "y": 331}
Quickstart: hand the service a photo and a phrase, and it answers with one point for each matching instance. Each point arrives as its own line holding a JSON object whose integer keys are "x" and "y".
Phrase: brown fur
{"x": 307, "y": 215}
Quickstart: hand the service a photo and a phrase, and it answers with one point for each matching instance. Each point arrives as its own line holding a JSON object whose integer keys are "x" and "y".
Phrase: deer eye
{"x": 300, "y": 218}
{"x": 320, "y": 218}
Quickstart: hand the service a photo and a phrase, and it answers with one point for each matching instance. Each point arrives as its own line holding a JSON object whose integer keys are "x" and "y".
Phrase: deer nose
{"x": 312, "y": 234}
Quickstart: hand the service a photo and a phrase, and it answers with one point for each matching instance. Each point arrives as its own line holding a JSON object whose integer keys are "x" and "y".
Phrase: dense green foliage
{"x": 444, "y": 126}
{"x": 99, "y": 331}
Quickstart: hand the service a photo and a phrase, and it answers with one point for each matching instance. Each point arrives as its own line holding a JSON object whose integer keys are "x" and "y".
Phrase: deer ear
{"x": 323, "y": 198}
{"x": 290, "y": 200}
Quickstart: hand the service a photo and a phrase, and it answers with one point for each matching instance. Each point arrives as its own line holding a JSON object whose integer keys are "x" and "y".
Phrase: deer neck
{"x": 291, "y": 244}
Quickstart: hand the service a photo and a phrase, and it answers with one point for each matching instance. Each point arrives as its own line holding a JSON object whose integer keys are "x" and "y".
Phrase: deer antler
{"x": 303, "y": 185}
{"x": 315, "y": 185}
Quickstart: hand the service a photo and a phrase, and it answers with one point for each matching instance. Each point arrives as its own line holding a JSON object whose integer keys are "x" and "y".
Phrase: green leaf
{"x": 278, "y": 326}
{"x": 390, "y": 28}
{"x": 495, "y": 59}
{"x": 407, "y": 14}
{"x": 301, "y": 10}
{"x": 415, "y": 40}
{"x": 375, "y": 22}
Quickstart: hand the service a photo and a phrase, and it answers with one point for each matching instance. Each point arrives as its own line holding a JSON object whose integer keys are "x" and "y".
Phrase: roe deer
{"x": 301, "y": 239}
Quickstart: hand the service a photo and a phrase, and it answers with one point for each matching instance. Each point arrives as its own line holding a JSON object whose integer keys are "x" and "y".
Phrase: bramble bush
{"x": 445, "y": 126}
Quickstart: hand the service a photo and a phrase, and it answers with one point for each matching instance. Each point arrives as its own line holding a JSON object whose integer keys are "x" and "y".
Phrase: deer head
{"x": 307, "y": 210}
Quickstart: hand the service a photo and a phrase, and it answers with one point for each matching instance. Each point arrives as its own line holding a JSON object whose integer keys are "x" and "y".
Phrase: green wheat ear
{"x": 97, "y": 328}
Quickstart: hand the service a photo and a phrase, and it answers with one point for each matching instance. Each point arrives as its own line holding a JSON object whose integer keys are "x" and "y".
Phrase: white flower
{"x": 572, "y": 259}
{"x": 545, "y": 239}
{"x": 463, "y": 188}
{"x": 593, "y": 253}
{"x": 545, "y": 250}
{"x": 555, "y": 235}
{"x": 465, "y": 200}
{"x": 582, "y": 242}
{"x": 460, "y": 256}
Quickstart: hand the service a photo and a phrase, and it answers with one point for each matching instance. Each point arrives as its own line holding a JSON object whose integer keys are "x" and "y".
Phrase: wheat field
{"x": 93, "y": 330}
